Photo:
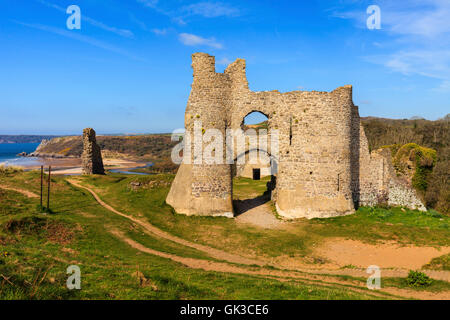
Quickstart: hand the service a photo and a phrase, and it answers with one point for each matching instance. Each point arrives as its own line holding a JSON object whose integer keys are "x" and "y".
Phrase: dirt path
{"x": 260, "y": 215}
{"x": 215, "y": 253}
{"x": 208, "y": 265}
{"x": 308, "y": 275}
{"x": 26, "y": 193}
{"x": 283, "y": 275}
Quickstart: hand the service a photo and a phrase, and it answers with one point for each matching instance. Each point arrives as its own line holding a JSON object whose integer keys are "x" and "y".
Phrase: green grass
{"x": 244, "y": 188}
{"x": 439, "y": 263}
{"x": 9, "y": 170}
{"x": 221, "y": 232}
{"x": 37, "y": 248}
{"x": 402, "y": 225}
{"x": 78, "y": 233}
{"x": 402, "y": 283}
{"x": 13, "y": 204}
{"x": 369, "y": 225}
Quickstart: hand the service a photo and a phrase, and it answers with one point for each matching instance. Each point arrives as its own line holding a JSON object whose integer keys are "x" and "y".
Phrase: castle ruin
{"x": 91, "y": 158}
{"x": 324, "y": 165}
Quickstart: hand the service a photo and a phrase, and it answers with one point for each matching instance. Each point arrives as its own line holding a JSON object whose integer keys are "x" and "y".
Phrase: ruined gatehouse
{"x": 324, "y": 167}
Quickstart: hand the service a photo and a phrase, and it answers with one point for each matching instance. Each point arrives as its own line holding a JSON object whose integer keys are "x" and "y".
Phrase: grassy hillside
{"x": 36, "y": 249}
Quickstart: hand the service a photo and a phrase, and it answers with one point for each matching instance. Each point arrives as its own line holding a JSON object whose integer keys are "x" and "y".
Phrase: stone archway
{"x": 311, "y": 157}
{"x": 323, "y": 159}
{"x": 251, "y": 196}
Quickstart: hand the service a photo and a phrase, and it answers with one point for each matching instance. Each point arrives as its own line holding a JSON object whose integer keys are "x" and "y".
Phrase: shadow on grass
{"x": 242, "y": 206}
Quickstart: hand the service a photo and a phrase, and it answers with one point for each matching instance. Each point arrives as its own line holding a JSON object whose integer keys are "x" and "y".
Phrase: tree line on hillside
{"x": 430, "y": 134}
{"x": 23, "y": 138}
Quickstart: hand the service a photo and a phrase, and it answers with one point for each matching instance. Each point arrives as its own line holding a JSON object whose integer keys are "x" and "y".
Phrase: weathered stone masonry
{"x": 91, "y": 159}
{"x": 324, "y": 165}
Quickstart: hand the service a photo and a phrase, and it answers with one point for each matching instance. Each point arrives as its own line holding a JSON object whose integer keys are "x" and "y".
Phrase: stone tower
{"x": 200, "y": 188}
{"x": 91, "y": 159}
{"x": 324, "y": 165}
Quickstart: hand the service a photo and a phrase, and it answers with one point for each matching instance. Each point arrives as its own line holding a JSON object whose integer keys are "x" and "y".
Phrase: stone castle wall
{"x": 378, "y": 181}
{"x": 324, "y": 165}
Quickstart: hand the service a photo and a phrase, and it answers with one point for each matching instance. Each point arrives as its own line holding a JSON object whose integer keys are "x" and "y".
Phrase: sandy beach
{"x": 72, "y": 166}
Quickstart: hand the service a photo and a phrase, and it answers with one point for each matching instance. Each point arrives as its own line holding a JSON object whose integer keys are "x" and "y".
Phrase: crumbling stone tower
{"x": 324, "y": 165}
{"x": 91, "y": 159}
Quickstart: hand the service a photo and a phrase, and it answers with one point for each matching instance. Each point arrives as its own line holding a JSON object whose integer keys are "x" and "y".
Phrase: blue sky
{"x": 128, "y": 68}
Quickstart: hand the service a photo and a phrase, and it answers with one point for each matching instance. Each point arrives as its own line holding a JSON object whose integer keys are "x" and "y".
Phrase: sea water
{"x": 9, "y": 151}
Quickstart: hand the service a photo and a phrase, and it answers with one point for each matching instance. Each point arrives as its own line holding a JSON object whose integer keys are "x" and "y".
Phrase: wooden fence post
{"x": 42, "y": 181}
{"x": 48, "y": 192}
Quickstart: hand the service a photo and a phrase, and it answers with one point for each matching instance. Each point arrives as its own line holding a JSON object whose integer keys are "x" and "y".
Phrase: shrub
{"x": 418, "y": 279}
{"x": 4, "y": 170}
{"x": 423, "y": 159}
{"x": 393, "y": 148}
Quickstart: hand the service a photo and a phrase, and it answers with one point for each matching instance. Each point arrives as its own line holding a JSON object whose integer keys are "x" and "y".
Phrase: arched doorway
{"x": 253, "y": 172}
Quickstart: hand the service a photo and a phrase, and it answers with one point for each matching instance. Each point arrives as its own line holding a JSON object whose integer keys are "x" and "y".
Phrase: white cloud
{"x": 179, "y": 15}
{"x": 425, "y": 62}
{"x": 172, "y": 14}
{"x": 95, "y": 23}
{"x": 211, "y": 9}
{"x": 101, "y": 25}
{"x": 143, "y": 26}
{"x": 159, "y": 32}
{"x": 80, "y": 37}
{"x": 179, "y": 20}
{"x": 224, "y": 61}
{"x": 443, "y": 87}
{"x": 425, "y": 18}
{"x": 417, "y": 35}
{"x": 194, "y": 40}
{"x": 148, "y": 3}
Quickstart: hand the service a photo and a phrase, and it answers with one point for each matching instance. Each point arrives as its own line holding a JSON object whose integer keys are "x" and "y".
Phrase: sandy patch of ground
{"x": 121, "y": 163}
{"x": 56, "y": 163}
{"x": 26, "y": 193}
{"x": 257, "y": 212}
{"x": 341, "y": 252}
{"x": 69, "y": 169}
